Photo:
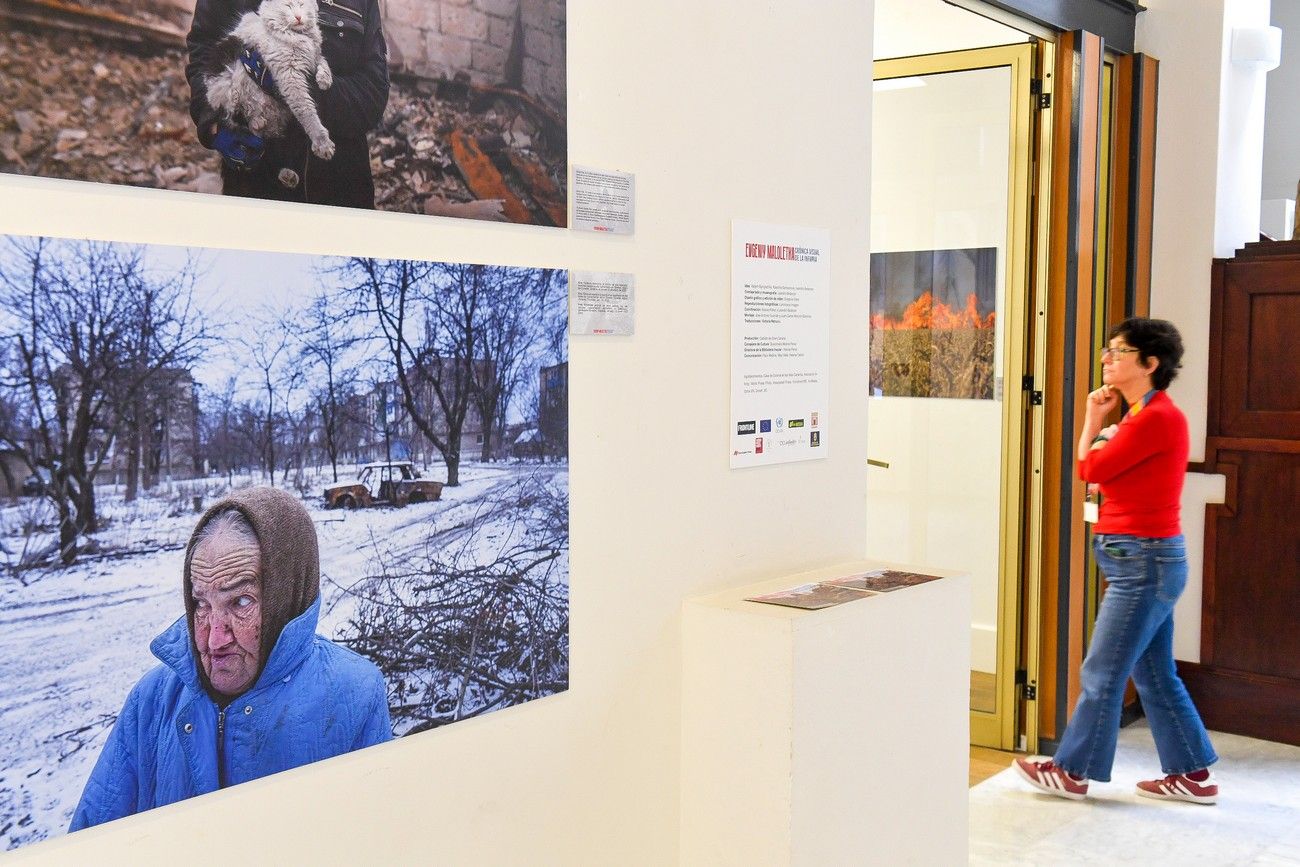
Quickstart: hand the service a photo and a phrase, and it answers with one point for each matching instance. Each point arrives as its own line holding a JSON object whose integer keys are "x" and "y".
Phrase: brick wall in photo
{"x": 520, "y": 43}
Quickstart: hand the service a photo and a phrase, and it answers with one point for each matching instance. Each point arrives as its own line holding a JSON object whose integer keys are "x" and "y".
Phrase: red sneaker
{"x": 1180, "y": 787}
{"x": 1048, "y": 777}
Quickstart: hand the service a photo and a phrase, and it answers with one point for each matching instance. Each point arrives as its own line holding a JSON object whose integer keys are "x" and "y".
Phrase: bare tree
{"x": 221, "y": 442}
{"x": 461, "y": 338}
{"x": 514, "y": 307}
{"x": 268, "y": 348}
{"x": 324, "y": 342}
{"x": 433, "y": 368}
{"x": 73, "y": 313}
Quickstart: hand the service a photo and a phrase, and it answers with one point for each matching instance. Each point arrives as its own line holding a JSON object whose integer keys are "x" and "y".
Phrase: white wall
{"x": 1282, "y": 111}
{"x": 907, "y": 27}
{"x": 1209, "y": 135}
{"x": 722, "y": 109}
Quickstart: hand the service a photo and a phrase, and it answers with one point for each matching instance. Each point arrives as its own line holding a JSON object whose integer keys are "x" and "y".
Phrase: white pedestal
{"x": 827, "y": 737}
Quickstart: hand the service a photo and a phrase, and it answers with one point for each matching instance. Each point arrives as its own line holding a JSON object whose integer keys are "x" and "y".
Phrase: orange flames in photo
{"x": 925, "y": 313}
{"x": 934, "y": 350}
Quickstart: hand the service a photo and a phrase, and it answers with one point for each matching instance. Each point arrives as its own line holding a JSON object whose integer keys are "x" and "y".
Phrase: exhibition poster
{"x": 453, "y": 108}
{"x": 780, "y": 343}
{"x": 376, "y": 452}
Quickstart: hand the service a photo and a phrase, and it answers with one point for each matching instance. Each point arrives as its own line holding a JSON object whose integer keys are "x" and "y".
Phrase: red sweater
{"x": 1141, "y": 472}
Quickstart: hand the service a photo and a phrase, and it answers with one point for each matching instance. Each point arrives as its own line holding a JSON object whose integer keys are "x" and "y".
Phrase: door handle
{"x": 872, "y": 462}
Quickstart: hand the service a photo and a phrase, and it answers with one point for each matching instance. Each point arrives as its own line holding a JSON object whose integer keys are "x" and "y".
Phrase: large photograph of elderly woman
{"x": 258, "y": 510}
{"x": 444, "y": 107}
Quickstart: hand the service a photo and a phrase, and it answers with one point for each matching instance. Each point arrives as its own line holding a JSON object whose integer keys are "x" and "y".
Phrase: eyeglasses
{"x": 1110, "y": 352}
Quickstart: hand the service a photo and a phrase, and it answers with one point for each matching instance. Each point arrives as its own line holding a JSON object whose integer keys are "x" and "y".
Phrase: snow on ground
{"x": 74, "y": 641}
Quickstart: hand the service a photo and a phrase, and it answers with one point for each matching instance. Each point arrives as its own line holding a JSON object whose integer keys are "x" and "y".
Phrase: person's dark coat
{"x": 288, "y": 171}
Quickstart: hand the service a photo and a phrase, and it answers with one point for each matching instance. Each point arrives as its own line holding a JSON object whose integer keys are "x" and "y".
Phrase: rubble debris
{"x": 87, "y": 109}
{"x": 481, "y": 209}
{"x": 545, "y": 193}
{"x": 125, "y": 21}
{"x": 454, "y": 89}
{"x": 482, "y": 177}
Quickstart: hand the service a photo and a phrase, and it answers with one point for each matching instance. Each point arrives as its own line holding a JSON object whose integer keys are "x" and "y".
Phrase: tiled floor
{"x": 1256, "y": 822}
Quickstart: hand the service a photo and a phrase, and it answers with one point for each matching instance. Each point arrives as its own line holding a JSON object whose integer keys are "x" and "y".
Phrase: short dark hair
{"x": 1153, "y": 338}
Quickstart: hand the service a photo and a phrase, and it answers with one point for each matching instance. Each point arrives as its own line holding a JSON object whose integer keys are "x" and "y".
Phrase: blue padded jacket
{"x": 313, "y": 700}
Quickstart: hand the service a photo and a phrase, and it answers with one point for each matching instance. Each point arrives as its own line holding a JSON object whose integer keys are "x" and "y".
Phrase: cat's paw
{"x": 323, "y": 147}
{"x": 324, "y": 78}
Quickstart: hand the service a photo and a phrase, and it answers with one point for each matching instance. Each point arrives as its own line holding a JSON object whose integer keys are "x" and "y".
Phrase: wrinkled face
{"x": 225, "y": 572}
{"x": 296, "y": 15}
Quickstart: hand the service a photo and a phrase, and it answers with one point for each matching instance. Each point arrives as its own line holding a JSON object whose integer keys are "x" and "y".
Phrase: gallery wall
{"x": 907, "y": 27}
{"x": 727, "y": 109}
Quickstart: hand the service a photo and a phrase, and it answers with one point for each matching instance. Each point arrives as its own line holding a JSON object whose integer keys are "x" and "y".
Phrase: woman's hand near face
{"x": 1100, "y": 402}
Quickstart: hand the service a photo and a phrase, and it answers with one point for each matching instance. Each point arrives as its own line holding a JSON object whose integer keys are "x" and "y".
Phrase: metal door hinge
{"x": 1036, "y": 89}
{"x": 1035, "y": 396}
{"x": 1022, "y": 679}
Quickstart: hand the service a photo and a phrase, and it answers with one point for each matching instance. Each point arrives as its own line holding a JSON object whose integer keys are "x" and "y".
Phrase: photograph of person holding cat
{"x": 287, "y": 91}
{"x": 445, "y": 108}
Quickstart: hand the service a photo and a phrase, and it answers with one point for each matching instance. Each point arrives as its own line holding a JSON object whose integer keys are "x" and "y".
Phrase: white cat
{"x": 286, "y": 34}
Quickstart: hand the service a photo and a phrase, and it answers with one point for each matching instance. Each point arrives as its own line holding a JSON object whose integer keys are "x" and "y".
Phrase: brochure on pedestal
{"x": 812, "y": 596}
{"x": 837, "y": 591}
{"x": 883, "y": 580}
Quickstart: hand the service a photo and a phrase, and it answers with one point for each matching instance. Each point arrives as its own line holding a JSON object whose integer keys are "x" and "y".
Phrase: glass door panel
{"x": 949, "y": 293}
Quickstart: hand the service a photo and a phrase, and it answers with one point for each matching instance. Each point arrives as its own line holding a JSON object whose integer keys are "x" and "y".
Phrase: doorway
{"x": 952, "y": 402}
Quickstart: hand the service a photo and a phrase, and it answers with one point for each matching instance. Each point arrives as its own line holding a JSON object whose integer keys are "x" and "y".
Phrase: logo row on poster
{"x": 767, "y": 425}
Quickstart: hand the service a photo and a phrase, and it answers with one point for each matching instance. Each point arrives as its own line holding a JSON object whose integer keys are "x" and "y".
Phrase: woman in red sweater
{"x": 1139, "y": 465}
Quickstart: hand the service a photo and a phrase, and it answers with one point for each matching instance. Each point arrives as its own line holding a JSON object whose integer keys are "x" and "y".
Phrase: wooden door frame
{"x": 1071, "y": 312}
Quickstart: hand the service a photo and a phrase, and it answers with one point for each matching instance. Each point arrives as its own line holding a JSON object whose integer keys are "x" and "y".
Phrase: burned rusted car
{"x": 383, "y": 484}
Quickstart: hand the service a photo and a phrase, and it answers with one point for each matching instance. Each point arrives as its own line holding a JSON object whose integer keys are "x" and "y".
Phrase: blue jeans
{"x": 1134, "y": 635}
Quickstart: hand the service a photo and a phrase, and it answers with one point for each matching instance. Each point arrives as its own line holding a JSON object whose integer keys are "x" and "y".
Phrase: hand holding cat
{"x": 238, "y": 147}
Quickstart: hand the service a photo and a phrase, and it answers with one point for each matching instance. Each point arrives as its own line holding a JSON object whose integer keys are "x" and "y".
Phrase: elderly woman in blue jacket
{"x": 246, "y": 687}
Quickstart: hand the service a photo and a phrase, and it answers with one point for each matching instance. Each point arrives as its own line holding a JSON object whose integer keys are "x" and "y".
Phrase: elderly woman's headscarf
{"x": 290, "y": 561}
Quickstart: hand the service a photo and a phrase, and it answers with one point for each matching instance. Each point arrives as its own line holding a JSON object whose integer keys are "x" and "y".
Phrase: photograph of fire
{"x": 933, "y": 323}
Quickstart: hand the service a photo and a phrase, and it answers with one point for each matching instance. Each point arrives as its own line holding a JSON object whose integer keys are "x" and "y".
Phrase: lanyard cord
{"x": 1140, "y": 405}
